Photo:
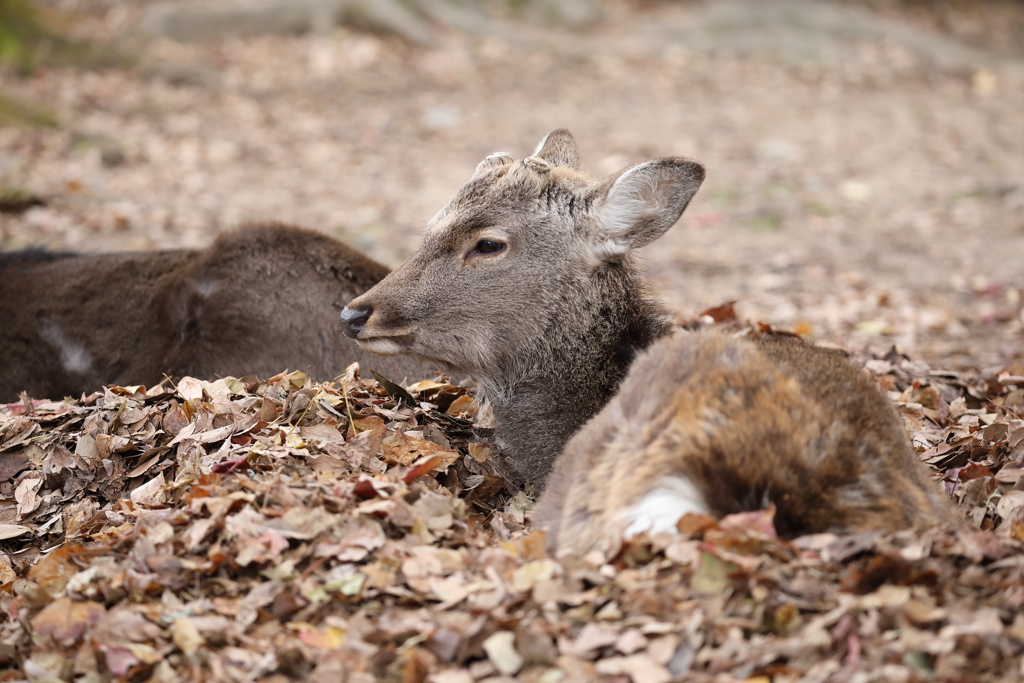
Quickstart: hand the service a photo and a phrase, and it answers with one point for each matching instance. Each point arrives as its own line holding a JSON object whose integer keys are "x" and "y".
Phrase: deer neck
{"x": 541, "y": 399}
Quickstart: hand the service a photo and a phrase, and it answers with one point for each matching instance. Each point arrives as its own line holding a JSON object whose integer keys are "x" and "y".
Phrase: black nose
{"x": 353, "y": 320}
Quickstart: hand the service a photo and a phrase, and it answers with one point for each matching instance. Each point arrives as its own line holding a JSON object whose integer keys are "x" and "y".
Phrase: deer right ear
{"x": 644, "y": 201}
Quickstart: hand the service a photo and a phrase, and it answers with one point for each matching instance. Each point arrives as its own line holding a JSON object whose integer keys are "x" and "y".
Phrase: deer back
{"x": 266, "y": 298}
{"x": 258, "y": 300}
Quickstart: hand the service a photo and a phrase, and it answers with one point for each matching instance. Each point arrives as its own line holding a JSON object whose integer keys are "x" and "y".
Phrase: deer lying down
{"x": 258, "y": 300}
{"x": 713, "y": 425}
{"x": 552, "y": 317}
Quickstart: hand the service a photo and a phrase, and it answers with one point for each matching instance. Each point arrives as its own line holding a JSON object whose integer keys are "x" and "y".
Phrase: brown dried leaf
{"x": 26, "y": 495}
{"x": 639, "y": 667}
{"x": 402, "y": 449}
{"x": 151, "y": 494}
{"x": 66, "y": 621}
{"x": 463, "y": 406}
{"x": 54, "y": 570}
{"x": 190, "y": 388}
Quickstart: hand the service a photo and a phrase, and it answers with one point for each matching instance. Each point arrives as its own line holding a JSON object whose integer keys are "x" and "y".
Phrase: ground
{"x": 864, "y": 188}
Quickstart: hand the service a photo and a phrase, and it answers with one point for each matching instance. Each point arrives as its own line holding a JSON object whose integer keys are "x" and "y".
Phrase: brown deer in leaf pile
{"x": 527, "y": 281}
{"x": 258, "y": 300}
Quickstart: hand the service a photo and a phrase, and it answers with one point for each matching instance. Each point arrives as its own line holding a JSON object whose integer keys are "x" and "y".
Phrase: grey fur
{"x": 549, "y": 326}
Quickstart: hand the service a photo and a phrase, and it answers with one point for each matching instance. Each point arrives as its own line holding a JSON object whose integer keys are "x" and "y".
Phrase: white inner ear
{"x": 540, "y": 145}
{"x": 632, "y": 198}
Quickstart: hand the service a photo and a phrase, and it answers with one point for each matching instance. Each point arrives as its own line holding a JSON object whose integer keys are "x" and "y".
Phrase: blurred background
{"x": 865, "y": 159}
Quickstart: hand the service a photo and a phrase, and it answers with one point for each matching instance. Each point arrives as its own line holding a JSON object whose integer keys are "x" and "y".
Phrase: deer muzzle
{"x": 353, "y": 320}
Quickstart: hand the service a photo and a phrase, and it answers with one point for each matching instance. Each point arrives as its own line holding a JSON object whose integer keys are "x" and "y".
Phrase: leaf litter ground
{"x": 356, "y": 530}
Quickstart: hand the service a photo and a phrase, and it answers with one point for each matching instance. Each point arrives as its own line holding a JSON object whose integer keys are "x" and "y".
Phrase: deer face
{"x": 511, "y": 260}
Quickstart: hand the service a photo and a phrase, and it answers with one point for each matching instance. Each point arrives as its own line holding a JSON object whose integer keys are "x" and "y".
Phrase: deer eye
{"x": 486, "y": 247}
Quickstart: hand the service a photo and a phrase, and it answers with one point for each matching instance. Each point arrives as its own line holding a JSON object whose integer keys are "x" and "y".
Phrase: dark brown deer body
{"x": 258, "y": 300}
{"x": 526, "y": 281}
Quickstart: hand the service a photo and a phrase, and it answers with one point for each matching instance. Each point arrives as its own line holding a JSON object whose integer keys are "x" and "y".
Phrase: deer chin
{"x": 385, "y": 346}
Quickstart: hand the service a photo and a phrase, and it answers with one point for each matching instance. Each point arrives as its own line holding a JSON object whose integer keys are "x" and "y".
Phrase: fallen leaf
{"x": 422, "y": 466}
{"x": 591, "y": 637}
{"x": 718, "y": 314}
{"x": 500, "y": 649}
{"x": 190, "y": 388}
{"x": 403, "y": 449}
{"x": 7, "y": 573}
{"x": 12, "y": 531}
{"x": 758, "y": 521}
{"x": 639, "y": 667}
{"x": 524, "y": 578}
{"x": 330, "y": 638}
{"x": 713, "y": 575}
{"x": 66, "y": 621}
{"x": 186, "y": 636}
{"x": 463, "y": 406}
{"x": 480, "y": 452}
{"x": 56, "y": 568}
{"x": 152, "y": 493}
{"x": 1009, "y": 504}
{"x": 26, "y": 496}
{"x": 395, "y": 391}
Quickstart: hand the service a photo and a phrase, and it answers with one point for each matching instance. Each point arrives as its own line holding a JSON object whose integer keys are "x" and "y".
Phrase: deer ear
{"x": 558, "y": 148}
{"x": 644, "y": 201}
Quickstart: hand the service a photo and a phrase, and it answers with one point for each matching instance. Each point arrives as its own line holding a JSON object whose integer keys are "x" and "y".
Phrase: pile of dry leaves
{"x": 358, "y": 531}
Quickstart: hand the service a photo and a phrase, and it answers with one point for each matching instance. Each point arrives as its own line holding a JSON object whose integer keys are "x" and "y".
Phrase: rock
{"x": 568, "y": 13}
{"x": 810, "y": 32}
{"x": 196, "y": 22}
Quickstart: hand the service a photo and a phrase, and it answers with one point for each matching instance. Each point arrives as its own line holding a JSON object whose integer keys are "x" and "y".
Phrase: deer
{"x": 528, "y": 281}
{"x": 258, "y": 300}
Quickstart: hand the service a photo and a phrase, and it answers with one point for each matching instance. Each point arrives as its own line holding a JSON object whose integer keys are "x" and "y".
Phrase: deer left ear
{"x": 558, "y": 148}
{"x": 643, "y": 202}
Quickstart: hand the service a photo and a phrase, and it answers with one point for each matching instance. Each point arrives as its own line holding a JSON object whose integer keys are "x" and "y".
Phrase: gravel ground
{"x": 865, "y": 175}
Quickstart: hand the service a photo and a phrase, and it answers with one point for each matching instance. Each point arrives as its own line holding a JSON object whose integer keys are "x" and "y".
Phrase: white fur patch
{"x": 543, "y": 142}
{"x": 206, "y": 286}
{"x": 605, "y": 250}
{"x": 73, "y": 356}
{"x": 662, "y": 507}
{"x": 382, "y": 346}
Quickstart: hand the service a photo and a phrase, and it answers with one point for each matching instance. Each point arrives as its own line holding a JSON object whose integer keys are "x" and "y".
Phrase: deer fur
{"x": 710, "y": 424}
{"x": 527, "y": 280}
{"x": 259, "y": 300}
